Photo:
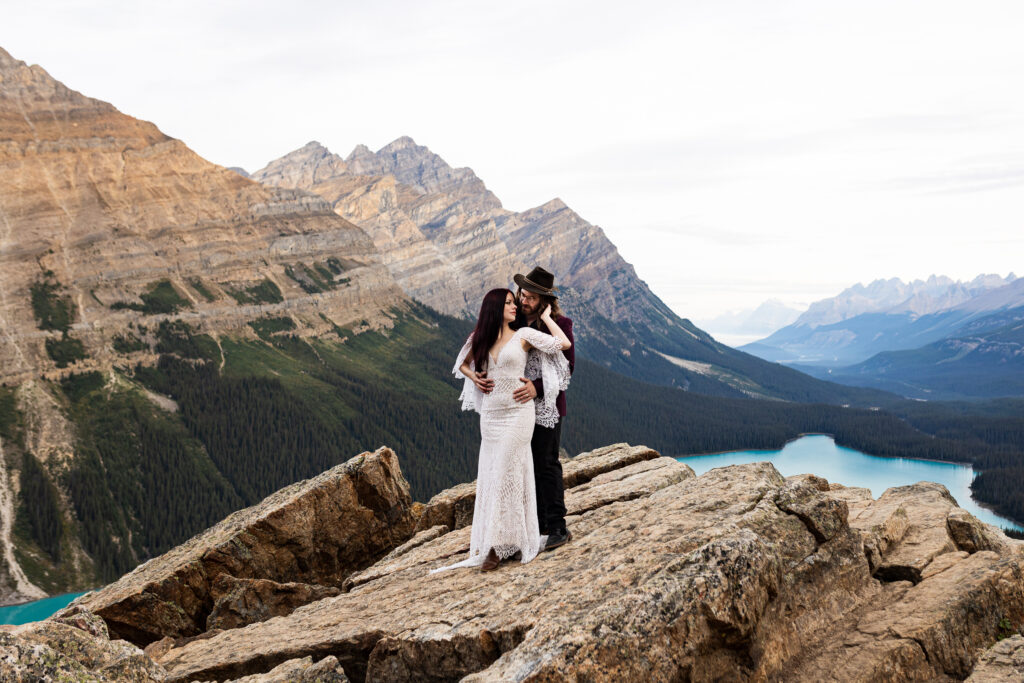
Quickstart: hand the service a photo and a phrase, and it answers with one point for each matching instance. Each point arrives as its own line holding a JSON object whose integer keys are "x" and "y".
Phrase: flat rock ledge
{"x": 739, "y": 574}
{"x": 1001, "y": 663}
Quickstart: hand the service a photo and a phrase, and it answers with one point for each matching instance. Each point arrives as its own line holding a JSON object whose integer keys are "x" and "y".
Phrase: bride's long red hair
{"x": 488, "y": 326}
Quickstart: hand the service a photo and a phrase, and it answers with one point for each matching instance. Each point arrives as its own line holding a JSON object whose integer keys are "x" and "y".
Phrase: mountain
{"x": 119, "y": 245}
{"x": 984, "y": 360}
{"x": 447, "y": 239}
{"x": 753, "y": 323}
{"x": 886, "y": 315}
{"x": 103, "y": 214}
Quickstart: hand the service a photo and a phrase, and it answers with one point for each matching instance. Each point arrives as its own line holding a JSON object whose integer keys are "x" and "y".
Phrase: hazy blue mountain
{"x": 754, "y": 323}
{"x": 984, "y": 360}
{"x": 863, "y": 321}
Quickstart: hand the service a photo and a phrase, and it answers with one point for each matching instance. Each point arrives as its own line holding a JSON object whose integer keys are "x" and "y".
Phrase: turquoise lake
{"x": 818, "y": 454}
{"x": 34, "y": 611}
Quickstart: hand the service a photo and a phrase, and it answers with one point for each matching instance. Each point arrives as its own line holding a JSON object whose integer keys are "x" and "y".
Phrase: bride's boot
{"x": 491, "y": 562}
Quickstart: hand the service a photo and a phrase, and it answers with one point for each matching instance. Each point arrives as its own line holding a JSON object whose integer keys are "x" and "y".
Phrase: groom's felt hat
{"x": 538, "y": 281}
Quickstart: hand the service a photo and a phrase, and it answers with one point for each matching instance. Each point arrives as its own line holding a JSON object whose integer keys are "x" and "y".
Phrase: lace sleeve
{"x": 545, "y": 343}
{"x": 550, "y": 366}
{"x": 470, "y": 396}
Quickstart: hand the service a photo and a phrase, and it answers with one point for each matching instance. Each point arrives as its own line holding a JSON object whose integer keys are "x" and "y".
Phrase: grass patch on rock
{"x": 265, "y": 292}
{"x": 53, "y": 310}
{"x": 65, "y": 351}
{"x": 161, "y": 298}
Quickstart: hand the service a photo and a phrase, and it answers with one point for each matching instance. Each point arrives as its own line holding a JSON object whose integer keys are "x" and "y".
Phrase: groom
{"x": 536, "y": 291}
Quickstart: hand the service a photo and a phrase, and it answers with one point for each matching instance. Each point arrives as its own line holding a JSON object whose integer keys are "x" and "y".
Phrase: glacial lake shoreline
{"x": 819, "y": 454}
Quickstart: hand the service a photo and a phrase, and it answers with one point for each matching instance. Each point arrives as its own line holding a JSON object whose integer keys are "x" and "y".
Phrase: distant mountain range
{"x": 750, "y": 324}
{"x": 927, "y": 339}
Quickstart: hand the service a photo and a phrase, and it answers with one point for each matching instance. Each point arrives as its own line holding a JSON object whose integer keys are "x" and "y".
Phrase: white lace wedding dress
{"x": 505, "y": 514}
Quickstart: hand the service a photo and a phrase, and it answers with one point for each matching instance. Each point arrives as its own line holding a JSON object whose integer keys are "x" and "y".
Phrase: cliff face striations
{"x": 739, "y": 574}
{"x": 98, "y": 208}
{"x": 406, "y": 193}
{"x": 117, "y": 243}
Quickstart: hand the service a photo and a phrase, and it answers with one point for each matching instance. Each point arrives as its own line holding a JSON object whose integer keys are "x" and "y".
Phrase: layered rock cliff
{"x": 99, "y": 210}
{"x": 739, "y": 574}
{"x": 114, "y": 239}
{"x": 405, "y": 189}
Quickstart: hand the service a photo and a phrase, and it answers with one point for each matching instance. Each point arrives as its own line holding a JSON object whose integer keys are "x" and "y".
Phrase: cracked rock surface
{"x": 1001, "y": 663}
{"x": 739, "y": 574}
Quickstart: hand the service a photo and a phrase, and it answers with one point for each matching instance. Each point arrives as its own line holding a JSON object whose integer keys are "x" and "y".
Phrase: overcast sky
{"x": 733, "y": 151}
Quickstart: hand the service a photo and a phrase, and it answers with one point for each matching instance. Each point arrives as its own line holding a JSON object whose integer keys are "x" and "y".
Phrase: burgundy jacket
{"x": 569, "y": 353}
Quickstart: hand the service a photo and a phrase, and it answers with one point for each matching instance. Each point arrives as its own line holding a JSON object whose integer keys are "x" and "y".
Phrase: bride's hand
{"x": 546, "y": 313}
{"x": 482, "y": 383}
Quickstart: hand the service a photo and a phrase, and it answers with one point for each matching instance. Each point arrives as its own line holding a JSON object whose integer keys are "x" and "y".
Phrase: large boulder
{"x": 315, "y": 532}
{"x": 77, "y": 648}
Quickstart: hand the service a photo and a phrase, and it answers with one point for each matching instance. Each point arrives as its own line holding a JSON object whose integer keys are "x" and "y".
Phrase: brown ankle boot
{"x": 491, "y": 562}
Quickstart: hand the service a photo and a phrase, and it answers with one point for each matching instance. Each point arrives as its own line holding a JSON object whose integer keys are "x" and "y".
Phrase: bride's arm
{"x": 556, "y": 331}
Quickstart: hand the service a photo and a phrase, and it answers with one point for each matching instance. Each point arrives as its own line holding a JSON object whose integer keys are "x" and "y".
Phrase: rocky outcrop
{"x": 1001, "y": 663}
{"x": 453, "y": 508}
{"x": 737, "y": 574}
{"x": 239, "y": 602}
{"x": 77, "y": 648}
{"x": 247, "y": 567}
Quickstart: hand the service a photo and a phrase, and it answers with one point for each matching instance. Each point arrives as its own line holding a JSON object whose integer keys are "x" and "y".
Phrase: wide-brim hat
{"x": 538, "y": 281}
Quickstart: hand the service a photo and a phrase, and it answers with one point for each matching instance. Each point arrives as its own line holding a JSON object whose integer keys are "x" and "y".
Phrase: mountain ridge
{"x": 465, "y": 238}
{"x": 932, "y": 310}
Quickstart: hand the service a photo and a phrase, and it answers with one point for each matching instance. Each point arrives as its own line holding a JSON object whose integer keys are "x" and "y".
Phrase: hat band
{"x": 548, "y": 289}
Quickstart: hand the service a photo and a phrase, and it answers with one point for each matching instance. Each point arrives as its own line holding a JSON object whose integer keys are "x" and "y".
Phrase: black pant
{"x": 547, "y": 472}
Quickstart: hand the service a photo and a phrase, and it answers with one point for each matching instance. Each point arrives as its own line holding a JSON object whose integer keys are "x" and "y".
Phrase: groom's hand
{"x": 525, "y": 393}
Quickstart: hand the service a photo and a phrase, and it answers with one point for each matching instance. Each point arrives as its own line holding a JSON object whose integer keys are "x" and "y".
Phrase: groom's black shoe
{"x": 558, "y": 538}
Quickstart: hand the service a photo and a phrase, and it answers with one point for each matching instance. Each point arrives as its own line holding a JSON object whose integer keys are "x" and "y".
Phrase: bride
{"x": 492, "y": 361}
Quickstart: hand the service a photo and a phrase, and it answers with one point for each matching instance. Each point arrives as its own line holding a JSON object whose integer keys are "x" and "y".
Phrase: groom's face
{"x": 530, "y": 303}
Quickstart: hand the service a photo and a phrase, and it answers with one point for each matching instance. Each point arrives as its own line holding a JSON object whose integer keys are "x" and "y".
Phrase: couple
{"x": 516, "y": 365}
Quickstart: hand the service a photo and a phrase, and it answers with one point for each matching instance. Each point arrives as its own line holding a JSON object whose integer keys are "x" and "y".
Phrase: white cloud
{"x": 782, "y": 149}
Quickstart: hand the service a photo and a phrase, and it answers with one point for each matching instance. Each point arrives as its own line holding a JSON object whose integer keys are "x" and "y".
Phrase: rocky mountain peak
{"x": 423, "y": 170}
{"x": 406, "y": 142}
{"x": 938, "y": 292}
{"x": 358, "y": 152}
{"x": 302, "y": 168}
{"x": 105, "y": 207}
{"x": 36, "y": 88}
{"x": 6, "y": 60}
{"x": 555, "y": 204}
